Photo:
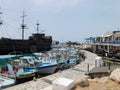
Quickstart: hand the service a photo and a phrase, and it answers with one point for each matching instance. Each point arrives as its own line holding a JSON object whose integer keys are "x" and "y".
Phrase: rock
{"x": 83, "y": 82}
{"x": 94, "y": 80}
{"x": 103, "y": 79}
{"x": 59, "y": 71}
{"x": 115, "y": 75}
{"x": 99, "y": 80}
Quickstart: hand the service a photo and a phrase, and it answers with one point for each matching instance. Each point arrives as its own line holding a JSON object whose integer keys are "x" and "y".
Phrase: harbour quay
{"x": 74, "y": 73}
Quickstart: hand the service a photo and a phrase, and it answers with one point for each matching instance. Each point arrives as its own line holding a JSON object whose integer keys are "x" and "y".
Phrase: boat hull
{"x": 47, "y": 69}
{"x": 22, "y": 76}
{"x": 5, "y": 81}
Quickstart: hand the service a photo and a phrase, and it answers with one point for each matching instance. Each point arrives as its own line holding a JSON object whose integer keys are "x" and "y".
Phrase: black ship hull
{"x": 35, "y": 43}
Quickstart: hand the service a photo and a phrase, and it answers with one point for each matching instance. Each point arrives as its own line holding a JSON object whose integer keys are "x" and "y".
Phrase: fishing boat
{"x": 4, "y": 59}
{"x": 57, "y": 60}
{"x": 48, "y": 65}
{"x": 5, "y": 81}
{"x": 37, "y": 42}
{"x": 20, "y": 68}
{"x": 69, "y": 57}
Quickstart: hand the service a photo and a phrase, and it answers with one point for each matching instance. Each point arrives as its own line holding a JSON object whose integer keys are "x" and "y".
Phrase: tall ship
{"x": 37, "y": 42}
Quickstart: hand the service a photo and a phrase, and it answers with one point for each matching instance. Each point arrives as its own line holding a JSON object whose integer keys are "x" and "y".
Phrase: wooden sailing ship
{"x": 37, "y": 42}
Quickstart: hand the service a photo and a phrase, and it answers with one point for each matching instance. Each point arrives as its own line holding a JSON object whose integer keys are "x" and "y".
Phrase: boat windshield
{"x": 25, "y": 61}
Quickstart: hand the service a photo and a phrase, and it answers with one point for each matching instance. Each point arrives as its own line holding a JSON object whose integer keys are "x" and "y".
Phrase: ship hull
{"x": 35, "y": 43}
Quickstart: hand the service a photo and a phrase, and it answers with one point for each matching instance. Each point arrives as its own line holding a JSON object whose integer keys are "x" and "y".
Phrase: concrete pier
{"x": 73, "y": 73}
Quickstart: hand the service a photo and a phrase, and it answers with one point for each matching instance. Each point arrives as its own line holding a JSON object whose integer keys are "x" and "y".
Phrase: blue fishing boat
{"x": 47, "y": 65}
{"x": 62, "y": 64}
{"x": 20, "y": 68}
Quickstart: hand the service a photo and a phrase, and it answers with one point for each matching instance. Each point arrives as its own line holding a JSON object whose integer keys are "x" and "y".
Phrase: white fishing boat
{"x": 5, "y": 81}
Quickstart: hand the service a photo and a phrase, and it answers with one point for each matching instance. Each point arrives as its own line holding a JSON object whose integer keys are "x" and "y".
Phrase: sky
{"x": 64, "y": 20}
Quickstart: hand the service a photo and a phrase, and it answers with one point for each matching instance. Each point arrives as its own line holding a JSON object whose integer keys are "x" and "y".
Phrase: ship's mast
{"x": 1, "y": 22}
{"x": 23, "y": 25}
{"x": 37, "y": 26}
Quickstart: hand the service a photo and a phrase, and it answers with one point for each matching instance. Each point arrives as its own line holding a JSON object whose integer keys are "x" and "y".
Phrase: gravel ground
{"x": 73, "y": 73}
{"x": 93, "y": 85}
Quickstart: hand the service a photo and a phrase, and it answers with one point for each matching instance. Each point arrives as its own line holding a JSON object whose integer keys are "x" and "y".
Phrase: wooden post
{"x": 109, "y": 68}
{"x": 95, "y": 63}
{"x": 88, "y": 68}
